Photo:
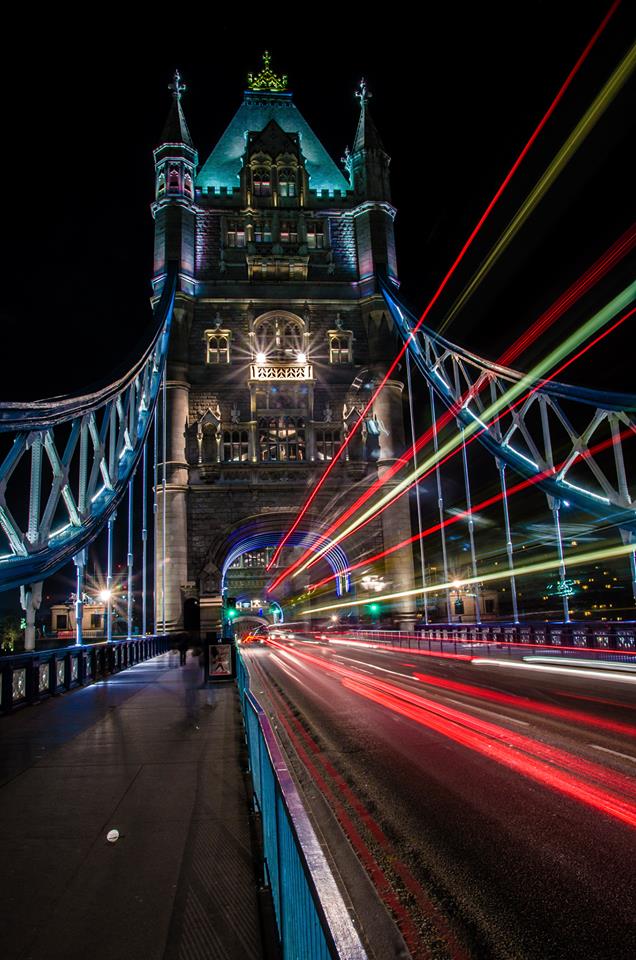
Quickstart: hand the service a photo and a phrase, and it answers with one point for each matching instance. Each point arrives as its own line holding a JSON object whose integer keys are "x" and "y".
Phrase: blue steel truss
{"x": 524, "y": 438}
{"x": 101, "y": 436}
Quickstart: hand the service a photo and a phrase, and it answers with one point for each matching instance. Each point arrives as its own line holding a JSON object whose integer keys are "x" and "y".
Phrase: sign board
{"x": 219, "y": 660}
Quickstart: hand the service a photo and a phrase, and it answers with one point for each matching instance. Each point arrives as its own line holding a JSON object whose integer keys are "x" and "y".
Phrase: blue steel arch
{"x": 107, "y": 432}
{"x": 335, "y": 556}
{"x": 451, "y": 371}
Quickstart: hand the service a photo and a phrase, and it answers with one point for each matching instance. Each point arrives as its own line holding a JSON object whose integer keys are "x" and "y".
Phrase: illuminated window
{"x": 218, "y": 348}
{"x": 236, "y": 233}
{"x": 161, "y": 185}
{"x": 279, "y": 338}
{"x": 262, "y": 231}
{"x": 173, "y": 181}
{"x": 281, "y": 439}
{"x": 315, "y": 234}
{"x": 288, "y": 232}
{"x": 327, "y": 444}
{"x": 96, "y": 621}
{"x": 261, "y": 179}
{"x": 235, "y": 446}
{"x": 340, "y": 348}
{"x": 287, "y": 182}
{"x": 187, "y": 184}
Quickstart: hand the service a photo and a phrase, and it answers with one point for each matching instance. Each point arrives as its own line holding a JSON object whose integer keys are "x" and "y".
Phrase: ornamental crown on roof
{"x": 267, "y": 79}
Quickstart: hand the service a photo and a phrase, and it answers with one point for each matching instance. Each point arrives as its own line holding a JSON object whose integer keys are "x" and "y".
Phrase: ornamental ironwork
{"x": 267, "y": 79}
{"x": 301, "y": 371}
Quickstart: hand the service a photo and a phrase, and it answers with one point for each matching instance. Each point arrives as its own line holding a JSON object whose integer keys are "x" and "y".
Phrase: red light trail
{"x": 449, "y": 274}
{"x": 600, "y": 268}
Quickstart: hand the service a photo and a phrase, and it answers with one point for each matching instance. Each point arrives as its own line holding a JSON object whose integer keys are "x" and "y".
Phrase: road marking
{"x": 625, "y": 756}
{"x": 567, "y": 671}
{"x": 364, "y": 663}
{"x": 502, "y": 716}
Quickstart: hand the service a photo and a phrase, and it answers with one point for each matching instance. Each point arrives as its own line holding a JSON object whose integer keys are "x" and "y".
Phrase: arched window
{"x": 161, "y": 185}
{"x": 262, "y": 182}
{"x": 218, "y": 348}
{"x": 287, "y": 182}
{"x": 262, "y": 231}
{"x": 281, "y": 439}
{"x": 235, "y": 446}
{"x": 187, "y": 184}
{"x": 279, "y": 338}
{"x": 288, "y": 232}
{"x": 340, "y": 348}
{"x": 173, "y": 181}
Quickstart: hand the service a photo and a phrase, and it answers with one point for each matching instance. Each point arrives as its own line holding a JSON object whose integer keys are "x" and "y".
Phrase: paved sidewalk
{"x": 149, "y": 754}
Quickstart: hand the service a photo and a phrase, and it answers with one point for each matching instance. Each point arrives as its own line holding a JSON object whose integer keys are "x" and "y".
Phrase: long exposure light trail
{"x": 581, "y": 559}
{"x": 582, "y": 130}
{"x": 533, "y": 380}
{"x": 339, "y": 453}
{"x": 592, "y": 275}
{"x": 463, "y": 515}
{"x": 571, "y": 775}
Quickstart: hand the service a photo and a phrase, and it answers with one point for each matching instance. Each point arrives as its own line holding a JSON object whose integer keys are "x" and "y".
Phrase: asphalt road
{"x": 493, "y": 806}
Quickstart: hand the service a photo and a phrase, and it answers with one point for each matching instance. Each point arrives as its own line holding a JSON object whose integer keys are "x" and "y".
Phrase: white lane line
{"x": 567, "y": 671}
{"x": 365, "y": 663}
{"x": 491, "y": 713}
{"x": 625, "y": 756}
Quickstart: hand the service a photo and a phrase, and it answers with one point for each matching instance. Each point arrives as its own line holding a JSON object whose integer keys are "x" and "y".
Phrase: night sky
{"x": 454, "y": 103}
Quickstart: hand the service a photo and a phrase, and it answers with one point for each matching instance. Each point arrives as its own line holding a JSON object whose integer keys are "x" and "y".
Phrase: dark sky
{"x": 455, "y": 96}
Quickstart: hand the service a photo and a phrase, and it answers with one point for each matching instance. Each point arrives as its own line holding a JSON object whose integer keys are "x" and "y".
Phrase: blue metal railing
{"x": 30, "y": 677}
{"x": 313, "y": 922}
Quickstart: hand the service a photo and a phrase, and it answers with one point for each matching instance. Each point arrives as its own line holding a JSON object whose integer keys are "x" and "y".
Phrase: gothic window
{"x": 340, "y": 348}
{"x": 262, "y": 182}
{"x": 279, "y": 338}
{"x": 287, "y": 182}
{"x": 315, "y": 234}
{"x": 262, "y": 231}
{"x": 281, "y": 439}
{"x": 218, "y": 348}
{"x": 187, "y": 185}
{"x": 288, "y": 232}
{"x": 173, "y": 181}
{"x": 235, "y": 446}
{"x": 327, "y": 444}
{"x": 236, "y": 233}
{"x": 161, "y": 185}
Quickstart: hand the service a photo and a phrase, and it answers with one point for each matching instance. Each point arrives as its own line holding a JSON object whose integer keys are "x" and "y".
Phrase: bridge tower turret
{"x": 368, "y": 165}
{"x": 175, "y": 230}
{"x": 173, "y": 207}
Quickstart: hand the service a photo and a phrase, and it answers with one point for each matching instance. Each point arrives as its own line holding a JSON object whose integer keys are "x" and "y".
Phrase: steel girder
{"x": 92, "y": 443}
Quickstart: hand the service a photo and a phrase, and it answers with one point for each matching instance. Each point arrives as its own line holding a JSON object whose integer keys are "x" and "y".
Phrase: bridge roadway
{"x": 494, "y": 806}
{"x": 149, "y": 754}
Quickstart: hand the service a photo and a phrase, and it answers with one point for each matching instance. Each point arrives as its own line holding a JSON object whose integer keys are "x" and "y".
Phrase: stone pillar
{"x": 396, "y": 519}
{"x": 176, "y": 493}
{"x": 30, "y": 600}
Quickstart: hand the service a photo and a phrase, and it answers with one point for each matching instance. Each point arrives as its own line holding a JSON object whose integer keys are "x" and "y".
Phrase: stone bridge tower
{"x": 279, "y": 334}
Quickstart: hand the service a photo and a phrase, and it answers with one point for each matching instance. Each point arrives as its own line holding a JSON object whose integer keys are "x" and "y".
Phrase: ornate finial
{"x": 217, "y": 320}
{"x": 177, "y": 87}
{"x": 362, "y": 93}
{"x": 267, "y": 79}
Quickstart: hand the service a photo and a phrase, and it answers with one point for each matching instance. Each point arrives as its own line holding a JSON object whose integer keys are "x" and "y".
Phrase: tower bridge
{"x": 295, "y": 434}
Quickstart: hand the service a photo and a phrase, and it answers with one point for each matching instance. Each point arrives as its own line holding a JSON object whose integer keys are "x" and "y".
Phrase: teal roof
{"x": 222, "y": 167}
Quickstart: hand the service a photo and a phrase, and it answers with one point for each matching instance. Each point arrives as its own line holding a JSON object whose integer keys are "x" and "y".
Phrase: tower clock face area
{"x": 278, "y": 327}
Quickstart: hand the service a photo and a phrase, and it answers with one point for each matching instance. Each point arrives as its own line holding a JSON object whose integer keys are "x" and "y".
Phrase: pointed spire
{"x": 367, "y": 136}
{"x": 176, "y": 128}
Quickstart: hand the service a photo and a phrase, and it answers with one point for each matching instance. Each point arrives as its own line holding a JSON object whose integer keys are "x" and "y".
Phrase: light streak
{"x": 607, "y": 553}
{"x": 566, "y": 671}
{"x": 535, "y": 379}
{"x": 462, "y": 515}
{"x": 449, "y": 274}
{"x": 525, "y": 703}
{"x": 618, "y": 250}
{"x": 583, "y": 128}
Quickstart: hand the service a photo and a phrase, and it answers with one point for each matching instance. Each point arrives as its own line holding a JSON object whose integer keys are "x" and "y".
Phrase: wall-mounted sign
{"x": 297, "y": 371}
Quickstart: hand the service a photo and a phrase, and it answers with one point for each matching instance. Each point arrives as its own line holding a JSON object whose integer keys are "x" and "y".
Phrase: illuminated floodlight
{"x": 104, "y": 595}
{"x": 301, "y": 358}
{"x": 333, "y": 617}
{"x": 261, "y": 358}
{"x": 456, "y": 584}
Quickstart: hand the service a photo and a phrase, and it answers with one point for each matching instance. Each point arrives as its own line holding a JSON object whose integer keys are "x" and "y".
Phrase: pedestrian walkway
{"x": 151, "y": 755}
